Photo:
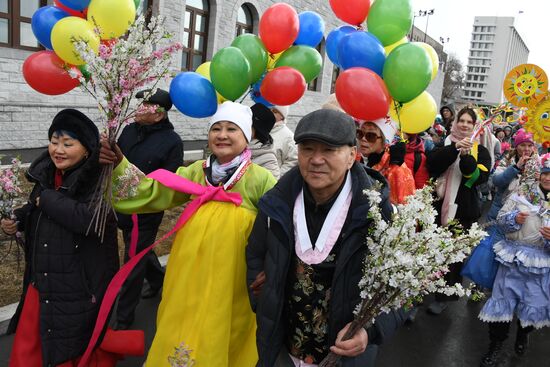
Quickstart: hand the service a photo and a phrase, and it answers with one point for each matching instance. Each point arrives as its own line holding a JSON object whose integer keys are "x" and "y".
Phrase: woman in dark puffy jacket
{"x": 67, "y": 270}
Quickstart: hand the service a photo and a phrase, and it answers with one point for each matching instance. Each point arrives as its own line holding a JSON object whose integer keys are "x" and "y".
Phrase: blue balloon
{"x": 193, "y": 95}
{"x": 312, "y": 29}
{"x": 361, "y": 49}
{"x": 333, "y": 41}
{"x": 256, "y": 95}
{"x": 76, "y": 4}
{"x": 42, "y": 23}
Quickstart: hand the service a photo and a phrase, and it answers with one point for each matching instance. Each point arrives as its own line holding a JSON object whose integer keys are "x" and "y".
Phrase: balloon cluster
{"x": 57, "y": 27}
{"x": 380, "y": 68}
{"x": 274, "y": 67}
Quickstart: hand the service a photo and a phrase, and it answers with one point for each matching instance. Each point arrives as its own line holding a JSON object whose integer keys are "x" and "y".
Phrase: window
{"x": 244, "y": 20}
{"x": 479, "y": 94}
{"x": 15, "y": 23}
{"x": 312, "y": 86}
{"x": 195, "y": 34}
{"x": 144, "y": 7}
{"x": 335, "y": 73}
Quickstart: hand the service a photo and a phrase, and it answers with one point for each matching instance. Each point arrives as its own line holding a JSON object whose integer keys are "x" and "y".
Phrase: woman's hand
{"x": 109, "y": 154}
{"x": 464, "y": 146}
{"x": 351, "y": 347}
{"x": 9, "y": 226}
{"x": 257, "y": 284}
{"x": 522, "y": 161}
{"x": 521, "y": 217}
{"x": 545, "y": 232}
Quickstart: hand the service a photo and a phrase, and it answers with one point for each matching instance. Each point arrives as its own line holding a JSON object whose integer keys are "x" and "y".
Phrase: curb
{"x": 7, "y": 312}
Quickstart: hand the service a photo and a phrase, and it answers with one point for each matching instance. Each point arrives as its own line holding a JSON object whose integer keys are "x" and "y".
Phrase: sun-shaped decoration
{"x": 525, "y": 85}
{"x": 538, "y": 121}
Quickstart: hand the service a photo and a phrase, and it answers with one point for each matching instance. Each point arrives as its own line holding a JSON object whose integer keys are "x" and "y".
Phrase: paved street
{"x": 454, "y": 339}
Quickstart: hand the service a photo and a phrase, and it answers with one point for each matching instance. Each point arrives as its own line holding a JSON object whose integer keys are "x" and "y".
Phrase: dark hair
{"x": 469, "y": 111}
{"x": 70, "y": 134}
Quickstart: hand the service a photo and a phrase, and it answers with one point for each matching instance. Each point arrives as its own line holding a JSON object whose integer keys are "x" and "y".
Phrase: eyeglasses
{"x": 370, "y": 137}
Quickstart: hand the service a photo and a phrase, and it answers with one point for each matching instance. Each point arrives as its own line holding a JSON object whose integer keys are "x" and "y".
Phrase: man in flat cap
{"x": 150, "y": 144}
{"x": 305, "y": 253}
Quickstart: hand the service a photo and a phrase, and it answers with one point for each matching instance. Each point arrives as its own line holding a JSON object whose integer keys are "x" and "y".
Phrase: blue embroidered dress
{"x": 522, "y": 283}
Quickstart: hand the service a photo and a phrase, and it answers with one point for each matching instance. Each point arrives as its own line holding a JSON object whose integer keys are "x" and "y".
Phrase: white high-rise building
{"x": 496, "y": 47}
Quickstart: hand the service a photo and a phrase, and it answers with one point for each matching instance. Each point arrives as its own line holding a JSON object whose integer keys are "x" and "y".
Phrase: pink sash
{"x": 169, "y": 179}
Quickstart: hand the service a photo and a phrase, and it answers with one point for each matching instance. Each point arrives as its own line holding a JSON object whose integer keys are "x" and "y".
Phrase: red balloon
{"x": 44, "y": 71}
{"x": 351, "y": 11}
{"x": 283, "y": 86}
{"x": 362, "y": 94}
{"x": 74, "y": 13}
{"x": 279, "y": 27}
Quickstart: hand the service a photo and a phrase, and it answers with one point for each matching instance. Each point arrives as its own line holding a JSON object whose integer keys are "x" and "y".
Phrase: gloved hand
{"x": 397, "y": 153}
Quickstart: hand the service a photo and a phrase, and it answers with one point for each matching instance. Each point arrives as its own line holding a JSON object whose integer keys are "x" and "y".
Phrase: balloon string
{"x": 397, "y": 106}
{"x": 246, "y": 95}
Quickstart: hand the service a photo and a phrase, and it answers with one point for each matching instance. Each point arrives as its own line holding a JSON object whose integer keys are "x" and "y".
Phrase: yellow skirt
{"x": 205, "y": 299}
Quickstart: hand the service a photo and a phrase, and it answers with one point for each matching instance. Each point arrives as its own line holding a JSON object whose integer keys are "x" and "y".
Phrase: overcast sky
{"x": 454, "y": 19}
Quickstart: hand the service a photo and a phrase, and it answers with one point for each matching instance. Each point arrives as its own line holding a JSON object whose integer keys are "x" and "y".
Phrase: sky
{"x": 454, "y": 19}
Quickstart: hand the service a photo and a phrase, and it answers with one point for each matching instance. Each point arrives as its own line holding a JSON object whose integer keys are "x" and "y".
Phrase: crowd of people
{"x": 265, "y": 270}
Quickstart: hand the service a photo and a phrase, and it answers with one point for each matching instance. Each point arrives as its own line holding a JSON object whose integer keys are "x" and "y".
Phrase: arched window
{"x": 195, "y": 34}
{"x": 15, "y": 23}
{"x": 244, "y": 20}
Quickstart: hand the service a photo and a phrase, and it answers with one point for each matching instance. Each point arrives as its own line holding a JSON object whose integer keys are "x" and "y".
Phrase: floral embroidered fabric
{"x": 308, "y": 309}
{"x": 126, "y": 185}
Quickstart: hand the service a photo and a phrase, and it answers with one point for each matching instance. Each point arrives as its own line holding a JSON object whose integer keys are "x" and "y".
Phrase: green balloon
{"x": 407, "y": 72}
{"x": 255, "y": 52}
{"x": 230, "y": 72}
{"x": 136, "y": 3}
{"x": 305, "y": 59}
{"x": 390, "y": 20}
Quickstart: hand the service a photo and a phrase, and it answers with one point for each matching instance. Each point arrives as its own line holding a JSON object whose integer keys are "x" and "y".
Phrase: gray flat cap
{"x": 331, "y": 127}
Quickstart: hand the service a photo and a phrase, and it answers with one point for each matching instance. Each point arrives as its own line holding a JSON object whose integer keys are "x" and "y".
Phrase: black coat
{"x": 70, "y": 270}
{"x": 270, "y": 248}
{"x": 150, "y": 147}
{"x": 467, "y": 199}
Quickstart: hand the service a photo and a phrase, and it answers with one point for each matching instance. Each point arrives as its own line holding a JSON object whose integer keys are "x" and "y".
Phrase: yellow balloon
{"x": 113, "y": 17}
{"x": 67, "y": 29}
{"x": 204, "y": 70}
{"x": 390, "y": 48}
{"x": 417, "y": 115}
{"x": 272, "y": 60}
{"x": 433, "y": 56}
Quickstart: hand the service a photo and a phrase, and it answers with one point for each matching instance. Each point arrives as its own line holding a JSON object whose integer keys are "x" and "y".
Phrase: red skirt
{"x": 27, "y": 346}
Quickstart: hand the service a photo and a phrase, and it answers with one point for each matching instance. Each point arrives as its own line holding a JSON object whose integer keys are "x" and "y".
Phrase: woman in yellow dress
{"x": 205, "y": 299}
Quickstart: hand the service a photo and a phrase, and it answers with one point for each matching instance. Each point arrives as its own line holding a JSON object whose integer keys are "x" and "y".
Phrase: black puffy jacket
{"x": 150, "y": 147}
{"x": 70, "y": 270}
{"x": 270, "y": 248}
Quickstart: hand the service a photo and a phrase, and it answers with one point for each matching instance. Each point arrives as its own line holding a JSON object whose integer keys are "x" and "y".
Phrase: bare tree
{"x": 454, "y": 78}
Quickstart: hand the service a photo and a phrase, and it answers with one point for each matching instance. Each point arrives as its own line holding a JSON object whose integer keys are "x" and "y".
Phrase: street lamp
{"x": 422, "y": 13}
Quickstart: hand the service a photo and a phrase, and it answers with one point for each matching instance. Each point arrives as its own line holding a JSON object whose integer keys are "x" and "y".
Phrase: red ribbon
{"x": 169, "y": 179}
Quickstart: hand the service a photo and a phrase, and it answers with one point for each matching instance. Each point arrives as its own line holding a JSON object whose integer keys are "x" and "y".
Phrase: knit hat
{"x": 545, "y": 163}
{"x": 236, "y": 113}
{"x": 283, "y": 110}
{"x": 387, "y": 127}
{"x": 523, "y": 136}
{"x": 160, "y": 97}
{"x": 77, "y": 123}
{"x": 262, "y": 122}
{"x": 438, "y": 130}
